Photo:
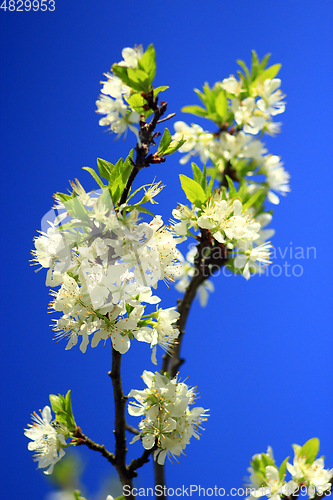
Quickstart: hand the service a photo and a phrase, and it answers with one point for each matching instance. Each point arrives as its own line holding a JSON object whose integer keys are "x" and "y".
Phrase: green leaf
{"x": 56, "y": 403}
{"x": 221, "y": 104}
{"x": 268, "y": 74}
{"x": 197, "y": 174}
{"x": 122, "y": 172}
{"x": 244, "y": 67}
{"x": 255, "y": 65}
{"x": 95, "y": 176}
{"x": 195, "y": 110}
{"x": 65, "y": 197}
{"x": 76, "y": 210}
{"x": 121, "y": 72}
{"x": 310, "y": 450}
{"x": 266, "y": 460}
{"x": 193, "y": 191}
{"x": 164, "y": 143}
{"x": 105, "y": 168}
{"x": 139, "y": 78}
{"x": 136, "y": 102}
{"x": 204, "y": 178}
{"x": 174, "y": 146}
{"x": 283, "y": 468}
{"x": 232, "y": 190}
{"x": 264, "y": 62}
{"x": 160, "y": 89}
{"x": 135, "y": 78}
{"x": 252, "y": 200}
{"x": 147, "y": 62}
{"x": 77, "y": 495}
{"x": 140, "y": 208}
{"x": 211, "y": 182}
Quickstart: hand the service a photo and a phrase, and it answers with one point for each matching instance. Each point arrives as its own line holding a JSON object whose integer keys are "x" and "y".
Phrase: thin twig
{"x": 171, "y": 115}
{"x": 84, "y": 440}
{"x": 131, "y": 429}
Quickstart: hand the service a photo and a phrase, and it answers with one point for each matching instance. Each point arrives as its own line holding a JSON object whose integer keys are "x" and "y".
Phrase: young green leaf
{"x": 139, "y": 78}
{"x": 221, "y": 104}
{"x": 211, "y": 182}
{"x": 310, "y": 450}
{"x": 65, "y": 197}
{"x": 105, "y": 168}
{"x": 264, "y": 62}
{"x": 162, "y": 88}
{"x": 95, "y": 176}
{"x": 193, "y": 191}
{"x": 232, "y": 190}
{"x": 197, "y": 174}
{"x": 251, "y": 201}
{"x": 268, "y": 74}
{"x": 147, "y": 62}
{"x": 204, "y": 178}
{"x": 255, "y": 65}
{"x": 195, "y": 110}
{"x": 174, "y": 146}
{"x": 76, "y": 210}
{"x": 164, "y": 143}
{"x": 244, "y": 67}
{"x": 283, "y": 468}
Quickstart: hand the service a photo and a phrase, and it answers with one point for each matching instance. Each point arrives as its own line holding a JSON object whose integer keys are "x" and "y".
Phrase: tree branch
{"x": 146, "y": 140}
{"x": 139, "y": 462}
{"x": 124, "y": 473}
{"x": 210, "y": 257}
{"x": 82, "y": 439}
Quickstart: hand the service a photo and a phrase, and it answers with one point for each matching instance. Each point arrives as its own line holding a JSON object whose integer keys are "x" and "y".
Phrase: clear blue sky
{"x": 261, "y": 352}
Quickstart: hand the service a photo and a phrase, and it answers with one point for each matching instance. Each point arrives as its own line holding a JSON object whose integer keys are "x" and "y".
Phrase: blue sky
{"x": 260, "y": 352}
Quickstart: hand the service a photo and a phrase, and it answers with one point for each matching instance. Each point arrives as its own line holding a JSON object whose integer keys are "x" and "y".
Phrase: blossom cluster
{"x": 232, "y": 226}
{"x": 243, "y": 110}
{"x": 266, "y": 479}
{"x": 114, "y": 94}
{"x": 107, "y": 262}
{"x": 237, "y": 144}
{"x": 167, "y": 423}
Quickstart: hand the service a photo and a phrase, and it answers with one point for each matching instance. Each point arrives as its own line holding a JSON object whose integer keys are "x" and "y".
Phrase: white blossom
{"x": 271, "y": 101}
{"x": 167, "y": 421}
{"x": 277, "y": 178}
{"x": 198, "y": 141}
{"x": 47, "y": 442}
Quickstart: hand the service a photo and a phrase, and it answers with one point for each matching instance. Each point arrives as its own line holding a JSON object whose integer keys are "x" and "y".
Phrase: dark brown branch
{"x": 139, "y": 462}
{"x": 159, "y": 471}
{"x": 125, "y": 475}
{"x": 82, "y": 439}
{"x": 210, "y": 257}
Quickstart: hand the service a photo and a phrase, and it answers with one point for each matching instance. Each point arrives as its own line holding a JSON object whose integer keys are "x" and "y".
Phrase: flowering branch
{"x": 107, "y": 262}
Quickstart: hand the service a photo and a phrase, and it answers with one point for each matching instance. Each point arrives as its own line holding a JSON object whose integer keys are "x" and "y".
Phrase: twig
{"x": 131, "y": 429}
{"x": 171, "y": 115}
{"x": 82, "y": 439}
